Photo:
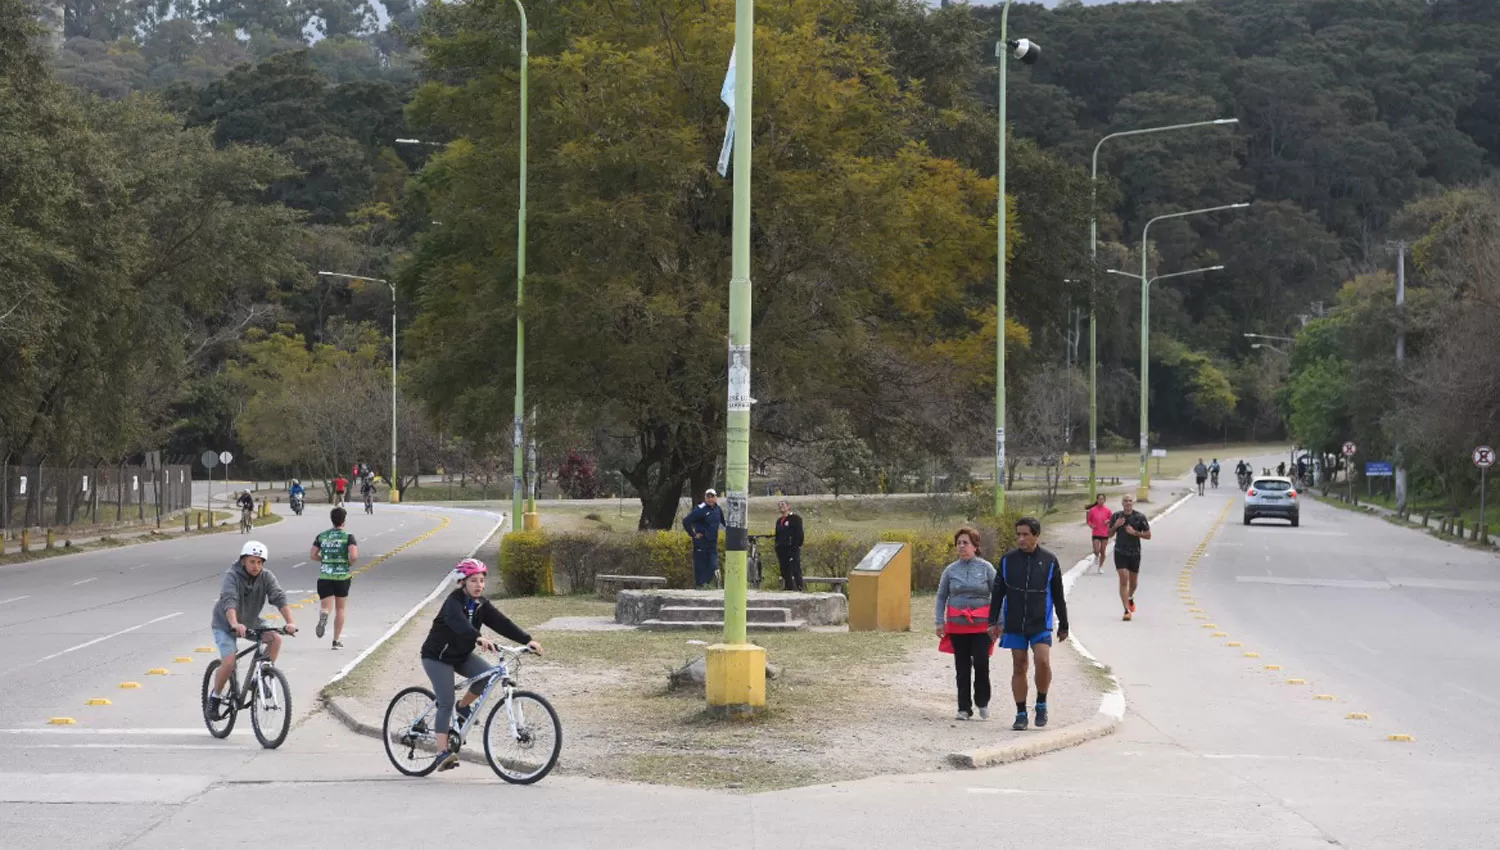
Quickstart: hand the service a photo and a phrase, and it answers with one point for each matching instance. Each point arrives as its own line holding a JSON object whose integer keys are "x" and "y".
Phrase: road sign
{"x": 1349, "y": 449}
{"x": 1158, "y": 452}
{"x": 1484, "y": 457}
{"x": 209, "y": 459}
{"x": 1378, "y": 469}
{"x": 225, "y": 458}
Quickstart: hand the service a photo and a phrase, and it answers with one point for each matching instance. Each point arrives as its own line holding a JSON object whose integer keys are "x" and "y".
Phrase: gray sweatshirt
{"x": 965, "y": 584}
{"x": 246, "y": 596}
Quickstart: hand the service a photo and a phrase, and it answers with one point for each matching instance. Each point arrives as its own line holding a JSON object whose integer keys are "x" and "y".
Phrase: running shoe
{"x": 1020, "y": 724}
{"x": 984, "y": 712}
{"x": 322, "y": 623}
{"x": 1127, "y": 616}
{"x": 338, "y": 644}
{"x": 1132, "y": 604}
{"x": 1041, "y": 714}
{"x": 447, "y": 761}
{"x": 964, "y": 715}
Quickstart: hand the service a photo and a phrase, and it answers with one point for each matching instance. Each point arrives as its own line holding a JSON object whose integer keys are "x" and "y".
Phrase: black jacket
{"x": 455, "y": 631}
{"x": 1028, "y": 588}
{"x": 789, "y": 532}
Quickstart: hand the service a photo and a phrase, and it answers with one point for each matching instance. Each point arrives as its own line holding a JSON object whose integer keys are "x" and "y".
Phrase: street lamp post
{"x": 1028, "y": 52}
{"x": 394, "y": 481}
{"x": 1094, "y": 257}
{"x": 518, "y": 425}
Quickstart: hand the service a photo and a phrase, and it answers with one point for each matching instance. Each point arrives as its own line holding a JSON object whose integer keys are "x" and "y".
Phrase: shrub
{"x": 931, "y": 551}
{"x": 526, "y": 563}
{"x": 832, "y": 554}
{"x": 667, "y": 553}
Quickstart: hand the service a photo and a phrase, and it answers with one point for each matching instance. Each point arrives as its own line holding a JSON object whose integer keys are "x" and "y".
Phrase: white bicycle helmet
{"x": 256, "y": 548}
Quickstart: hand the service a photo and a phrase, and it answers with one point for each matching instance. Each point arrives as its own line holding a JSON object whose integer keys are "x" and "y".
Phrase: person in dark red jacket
{"x": 450, "y": 644}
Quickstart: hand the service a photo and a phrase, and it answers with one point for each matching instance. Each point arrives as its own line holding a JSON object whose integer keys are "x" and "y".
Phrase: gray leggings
{"x": 441, "y": 674}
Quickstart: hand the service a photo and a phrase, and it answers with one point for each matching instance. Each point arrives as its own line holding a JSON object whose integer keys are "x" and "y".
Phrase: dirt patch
{"x": 844, "y": 706}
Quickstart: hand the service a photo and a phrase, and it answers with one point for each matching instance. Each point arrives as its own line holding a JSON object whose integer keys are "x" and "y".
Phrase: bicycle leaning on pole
{"x": 266, "y": 693}
{"x": 522, "y": 735}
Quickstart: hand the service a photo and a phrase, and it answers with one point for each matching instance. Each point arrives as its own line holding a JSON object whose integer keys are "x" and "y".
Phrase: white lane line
{"x": 138, "y": 566}
{"x": 155, "y": 746}
{"x": 13, "y": 599}
{"x": 85, "y": 581}
{"x": 107, "y": 637}
{"x": 303, "y": 564}
{"x": 50, "y": 730}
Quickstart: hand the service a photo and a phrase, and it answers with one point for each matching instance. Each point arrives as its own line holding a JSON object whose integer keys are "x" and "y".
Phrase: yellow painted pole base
{"x": 395, "y": 496}
{"x": 531, "y": 521}
{"x": 735, "y": 683}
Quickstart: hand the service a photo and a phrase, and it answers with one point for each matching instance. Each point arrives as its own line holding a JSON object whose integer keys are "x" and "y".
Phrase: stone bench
{"x": 838, "y": 584}
{"x": 608, "y": 587}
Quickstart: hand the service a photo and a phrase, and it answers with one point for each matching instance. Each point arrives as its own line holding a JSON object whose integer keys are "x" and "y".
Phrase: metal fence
{"x": 81, "y": 498}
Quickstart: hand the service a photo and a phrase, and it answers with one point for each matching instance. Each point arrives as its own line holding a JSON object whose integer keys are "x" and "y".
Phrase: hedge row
{"x": 536, "y": 562}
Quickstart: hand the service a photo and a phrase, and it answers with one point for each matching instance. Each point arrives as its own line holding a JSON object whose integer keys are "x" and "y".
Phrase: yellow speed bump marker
{"x": 1234, "y": 643}
{"x": 204, "y": 649}
{"x": 184, "y": 659}
{"x": 1356, "y": 715}
{"x": 157, "y": 671}
{"x": 129, "y": 686}
{"x": 1252, "y": 655}
{"x": 1273, "y": 666}
{"x": 1296, "y": 681}
{"x": 62, "y": 721}
{"x": 296, "y": 605}
{"x": 1210, "y": 626}
{"x": 1219, "y": 634}
{"x": 99, "y": 701}
{"x": 1324, "y": 697}
{"x": 1399, "y": 738}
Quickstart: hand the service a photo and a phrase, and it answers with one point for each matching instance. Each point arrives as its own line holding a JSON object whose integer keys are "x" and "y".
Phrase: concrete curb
{"x": 343, "y": 710}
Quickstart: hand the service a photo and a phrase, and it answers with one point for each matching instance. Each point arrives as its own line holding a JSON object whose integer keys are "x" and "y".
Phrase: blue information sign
{"x": 1378, "y": 468}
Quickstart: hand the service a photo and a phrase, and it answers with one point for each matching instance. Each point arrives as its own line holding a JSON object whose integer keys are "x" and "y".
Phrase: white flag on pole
{"x": 726, "y": 94}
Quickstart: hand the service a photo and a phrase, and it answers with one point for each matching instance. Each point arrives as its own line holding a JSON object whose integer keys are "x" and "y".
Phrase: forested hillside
{"x": 875, "y": 161}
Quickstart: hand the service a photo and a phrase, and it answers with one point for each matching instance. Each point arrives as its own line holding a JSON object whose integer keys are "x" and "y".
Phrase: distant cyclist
{"x": 335, "y": 551}
{"x": 246, "y": 589}
{"x": 449, "y": 648}
{"x": 246, "y": 503}
{"x": 1213, "y": 473}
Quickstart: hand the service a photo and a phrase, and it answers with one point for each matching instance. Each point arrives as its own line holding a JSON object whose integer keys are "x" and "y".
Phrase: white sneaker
{"x": 963, "y": 715}
{"x": 984, "y": 713}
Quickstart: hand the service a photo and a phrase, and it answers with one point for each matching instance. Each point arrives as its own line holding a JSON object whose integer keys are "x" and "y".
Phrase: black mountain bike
{"x": 265, "y": 693}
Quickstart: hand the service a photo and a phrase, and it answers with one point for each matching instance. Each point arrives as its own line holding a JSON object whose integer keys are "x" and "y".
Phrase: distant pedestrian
{"x": 963, "y": 618}
{"x": 1028, "y": 588}
{"x": 1097, "y": 519}
{"x": 1200, "y": 472}
{"x": 1302, "y": 470}
{"x": 789, "y": 546}
{"x": 340, "y": 484}
{"x": 1129, "y": 526}
{"x": 1281, "y": 469}
{"x": 703, "y": 524}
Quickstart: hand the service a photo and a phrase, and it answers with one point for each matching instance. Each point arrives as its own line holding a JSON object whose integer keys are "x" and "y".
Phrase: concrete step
{"x": 718, "y": 626}
{"x": 717, "y": 602}
{"x": 697, "y": 614}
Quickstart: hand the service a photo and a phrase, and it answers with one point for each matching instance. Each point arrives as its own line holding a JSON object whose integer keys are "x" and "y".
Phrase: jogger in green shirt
{"x": 335, "y": 550}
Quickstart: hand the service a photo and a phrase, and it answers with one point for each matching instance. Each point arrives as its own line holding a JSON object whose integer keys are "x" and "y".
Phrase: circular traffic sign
{"x": 225, "y": 458}
{"x": 209, "y": 459}
{"x": 1349, "y": 449}
{"x": 1484, "y": 457}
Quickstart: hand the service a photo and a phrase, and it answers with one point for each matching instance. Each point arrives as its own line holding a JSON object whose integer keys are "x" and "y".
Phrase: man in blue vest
{"x": 703, "y": 524}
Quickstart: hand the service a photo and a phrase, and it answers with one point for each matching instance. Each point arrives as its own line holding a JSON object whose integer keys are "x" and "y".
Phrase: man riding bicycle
{"x": 449, "y": 648}
{"x": 246, "y": 588}
{"x": 296, "y": 494}
{"x": 246, "y": 503}
{"x": 1213, "y": 472}
{"x": 1242, "y": 474}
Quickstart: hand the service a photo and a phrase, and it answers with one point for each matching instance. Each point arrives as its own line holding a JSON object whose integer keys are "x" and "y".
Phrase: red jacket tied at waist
{"x": 964, "y": 621}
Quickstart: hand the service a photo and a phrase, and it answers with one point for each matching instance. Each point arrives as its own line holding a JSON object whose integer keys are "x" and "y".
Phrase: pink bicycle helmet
{"x": 470, "y": 567}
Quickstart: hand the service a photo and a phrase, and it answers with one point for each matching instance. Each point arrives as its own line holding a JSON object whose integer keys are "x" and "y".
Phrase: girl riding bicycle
{"x": 449, "y": 648}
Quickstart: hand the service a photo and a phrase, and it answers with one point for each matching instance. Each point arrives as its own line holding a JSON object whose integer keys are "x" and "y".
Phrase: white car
{"x": 1271, "y": 496}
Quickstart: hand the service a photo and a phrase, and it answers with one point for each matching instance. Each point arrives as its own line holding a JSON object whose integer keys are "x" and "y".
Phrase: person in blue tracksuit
{"x": 1028, "y": 589}
{"x": 703, "y": 524}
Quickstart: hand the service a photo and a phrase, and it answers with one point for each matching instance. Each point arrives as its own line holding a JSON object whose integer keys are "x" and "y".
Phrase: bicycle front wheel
{"x": 271, "y": 708}
{"x": 410, "y": 740}
{"x": 528, "y": 751}
{"x": 220, "y": 721}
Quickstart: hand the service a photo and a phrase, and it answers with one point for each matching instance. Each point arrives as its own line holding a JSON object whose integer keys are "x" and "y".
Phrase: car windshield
{"x": 1273, "y": 485}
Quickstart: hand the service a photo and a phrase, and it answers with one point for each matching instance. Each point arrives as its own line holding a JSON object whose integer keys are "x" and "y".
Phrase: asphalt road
{"x": 1216, "y": 751}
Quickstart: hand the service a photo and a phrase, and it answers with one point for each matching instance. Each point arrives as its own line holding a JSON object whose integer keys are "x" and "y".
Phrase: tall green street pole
{"x": 518, "y": 492}
{"x": 1027, "y": 52}
{"x": 737, "y": 437}
{"x": 1143, "y": 490}
{"x": 1094, "y": 256}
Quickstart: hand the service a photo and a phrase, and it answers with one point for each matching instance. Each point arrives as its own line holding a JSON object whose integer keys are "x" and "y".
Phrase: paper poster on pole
{"x": 23, "y": 485}
{"x": 739, "y": 378}
{"x": 85, "y": 483}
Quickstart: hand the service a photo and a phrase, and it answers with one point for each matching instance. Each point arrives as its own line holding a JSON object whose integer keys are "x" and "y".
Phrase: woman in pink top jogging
{"x": 1097, "y": 519}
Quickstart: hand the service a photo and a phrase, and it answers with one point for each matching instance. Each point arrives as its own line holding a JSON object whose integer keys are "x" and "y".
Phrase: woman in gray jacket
{"x": 963, "y": 611}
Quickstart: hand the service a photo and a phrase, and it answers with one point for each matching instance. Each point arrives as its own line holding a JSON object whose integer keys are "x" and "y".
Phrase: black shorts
{"x": 333, "y": 587}
{"x": 1131, "y": 561}
{"x": 1098, "y": 539}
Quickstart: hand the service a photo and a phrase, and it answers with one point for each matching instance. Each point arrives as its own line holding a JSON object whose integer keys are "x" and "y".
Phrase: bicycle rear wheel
{"x": 221, "y": 723}
{"x": 530, "y": 752}
{"x": 271, "y": 708}
{"x": 410, "y": 740}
